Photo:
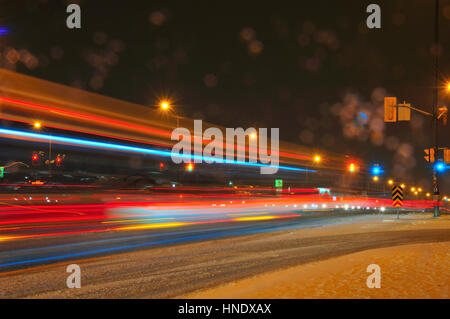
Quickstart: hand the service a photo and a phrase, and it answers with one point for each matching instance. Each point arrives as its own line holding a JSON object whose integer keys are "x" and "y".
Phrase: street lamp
{"x": 317, "y": 158}
{"x": 391, "y": 182}
{"x": 37, "y": 125}
{"x": 166, "y": 106}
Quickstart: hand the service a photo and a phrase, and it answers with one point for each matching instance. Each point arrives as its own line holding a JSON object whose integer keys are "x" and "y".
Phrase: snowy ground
{"x": 407, "y": 271}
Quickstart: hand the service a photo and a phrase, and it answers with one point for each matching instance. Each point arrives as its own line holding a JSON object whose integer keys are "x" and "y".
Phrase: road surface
{"x": 170, "y": 263}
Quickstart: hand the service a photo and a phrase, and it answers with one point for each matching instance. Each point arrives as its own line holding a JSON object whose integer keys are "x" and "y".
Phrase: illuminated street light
{"x": 190, "y": 167}
{"x": 413, "y": 189}
{"x": 164, "y": 105}
{"x": 416, "y": 193}
{"x": 419, "y": 189}
{"x": 38, "y": 126}
{"x": 375, "y": 178}
{"x": 317, "y": 158}
{"x": 428, "y": 194}
{"x": 390, "y": 182}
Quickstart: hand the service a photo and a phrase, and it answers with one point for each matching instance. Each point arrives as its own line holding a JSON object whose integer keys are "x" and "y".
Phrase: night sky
{"x": 311, "y": 68}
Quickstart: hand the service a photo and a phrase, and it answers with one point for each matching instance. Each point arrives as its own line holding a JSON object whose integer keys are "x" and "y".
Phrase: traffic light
{"x": 376, "y": 170}
{"x": 190, "y": 167}
{"x": 390, "y": 109}
{"x": 442, "y": 114}
{"x": 58, "y": 161}
{"x": 35, "y": 159}
{"x": 352, "y": 167}
{"x": 440, "y": 167}
{"x": 2, "y": 171}
{"x": 429, "y": 157}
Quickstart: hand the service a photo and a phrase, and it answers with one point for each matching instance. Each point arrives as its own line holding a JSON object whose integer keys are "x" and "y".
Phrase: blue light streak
{"x": 134, "y": 246}
{"x": 126, "y": 148}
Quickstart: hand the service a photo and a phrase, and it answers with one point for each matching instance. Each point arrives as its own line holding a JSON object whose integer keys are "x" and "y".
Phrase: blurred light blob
{"x": 210, "y": 80}
{"x": 255, "y": 47}
{"x": 157, "y": 18}
{"x": 440, "y": 167}
{"x": 247, "y": 34}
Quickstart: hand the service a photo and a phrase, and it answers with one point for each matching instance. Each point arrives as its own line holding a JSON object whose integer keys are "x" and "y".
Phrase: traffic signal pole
{"x": 436, "y": 194}
{"x": 392, "y": 114}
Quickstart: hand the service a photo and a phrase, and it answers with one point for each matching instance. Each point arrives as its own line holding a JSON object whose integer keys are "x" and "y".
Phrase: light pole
{"x": 316, "y": 160}
{"x": 435, "y": 115}
{"x": 38, "y": 126}
{"x": 166, "y": 106}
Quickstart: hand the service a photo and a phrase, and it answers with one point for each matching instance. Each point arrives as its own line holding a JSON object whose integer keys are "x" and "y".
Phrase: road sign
{"x": 397, "y": 196}
{"x": 390, "y": 109}
{"x": 2, "y": 170}
{"x": 278, "y": 183}
{"x": 404, "y": 112}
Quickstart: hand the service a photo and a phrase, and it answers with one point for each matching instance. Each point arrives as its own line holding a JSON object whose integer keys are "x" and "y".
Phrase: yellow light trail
{"x": 150, "y": 226}
{"x": 240, "y": 219}
{"x": 7, "y": 238}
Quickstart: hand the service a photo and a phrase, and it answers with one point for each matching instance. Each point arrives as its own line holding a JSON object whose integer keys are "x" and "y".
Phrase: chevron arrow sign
{"x": 397, "y": 196}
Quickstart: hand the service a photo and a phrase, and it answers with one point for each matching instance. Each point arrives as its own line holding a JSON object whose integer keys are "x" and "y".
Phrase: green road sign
{"x": 2, "y": 170}
{"x": 278, "y": 183}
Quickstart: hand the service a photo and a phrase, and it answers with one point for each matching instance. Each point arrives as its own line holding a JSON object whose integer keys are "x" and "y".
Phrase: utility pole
{"x": 392, "y": 114}
{"x": 436, "y": 194}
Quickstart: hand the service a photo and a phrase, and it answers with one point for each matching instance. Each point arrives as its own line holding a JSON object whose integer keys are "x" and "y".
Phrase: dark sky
{"x": 311, "y": 68}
